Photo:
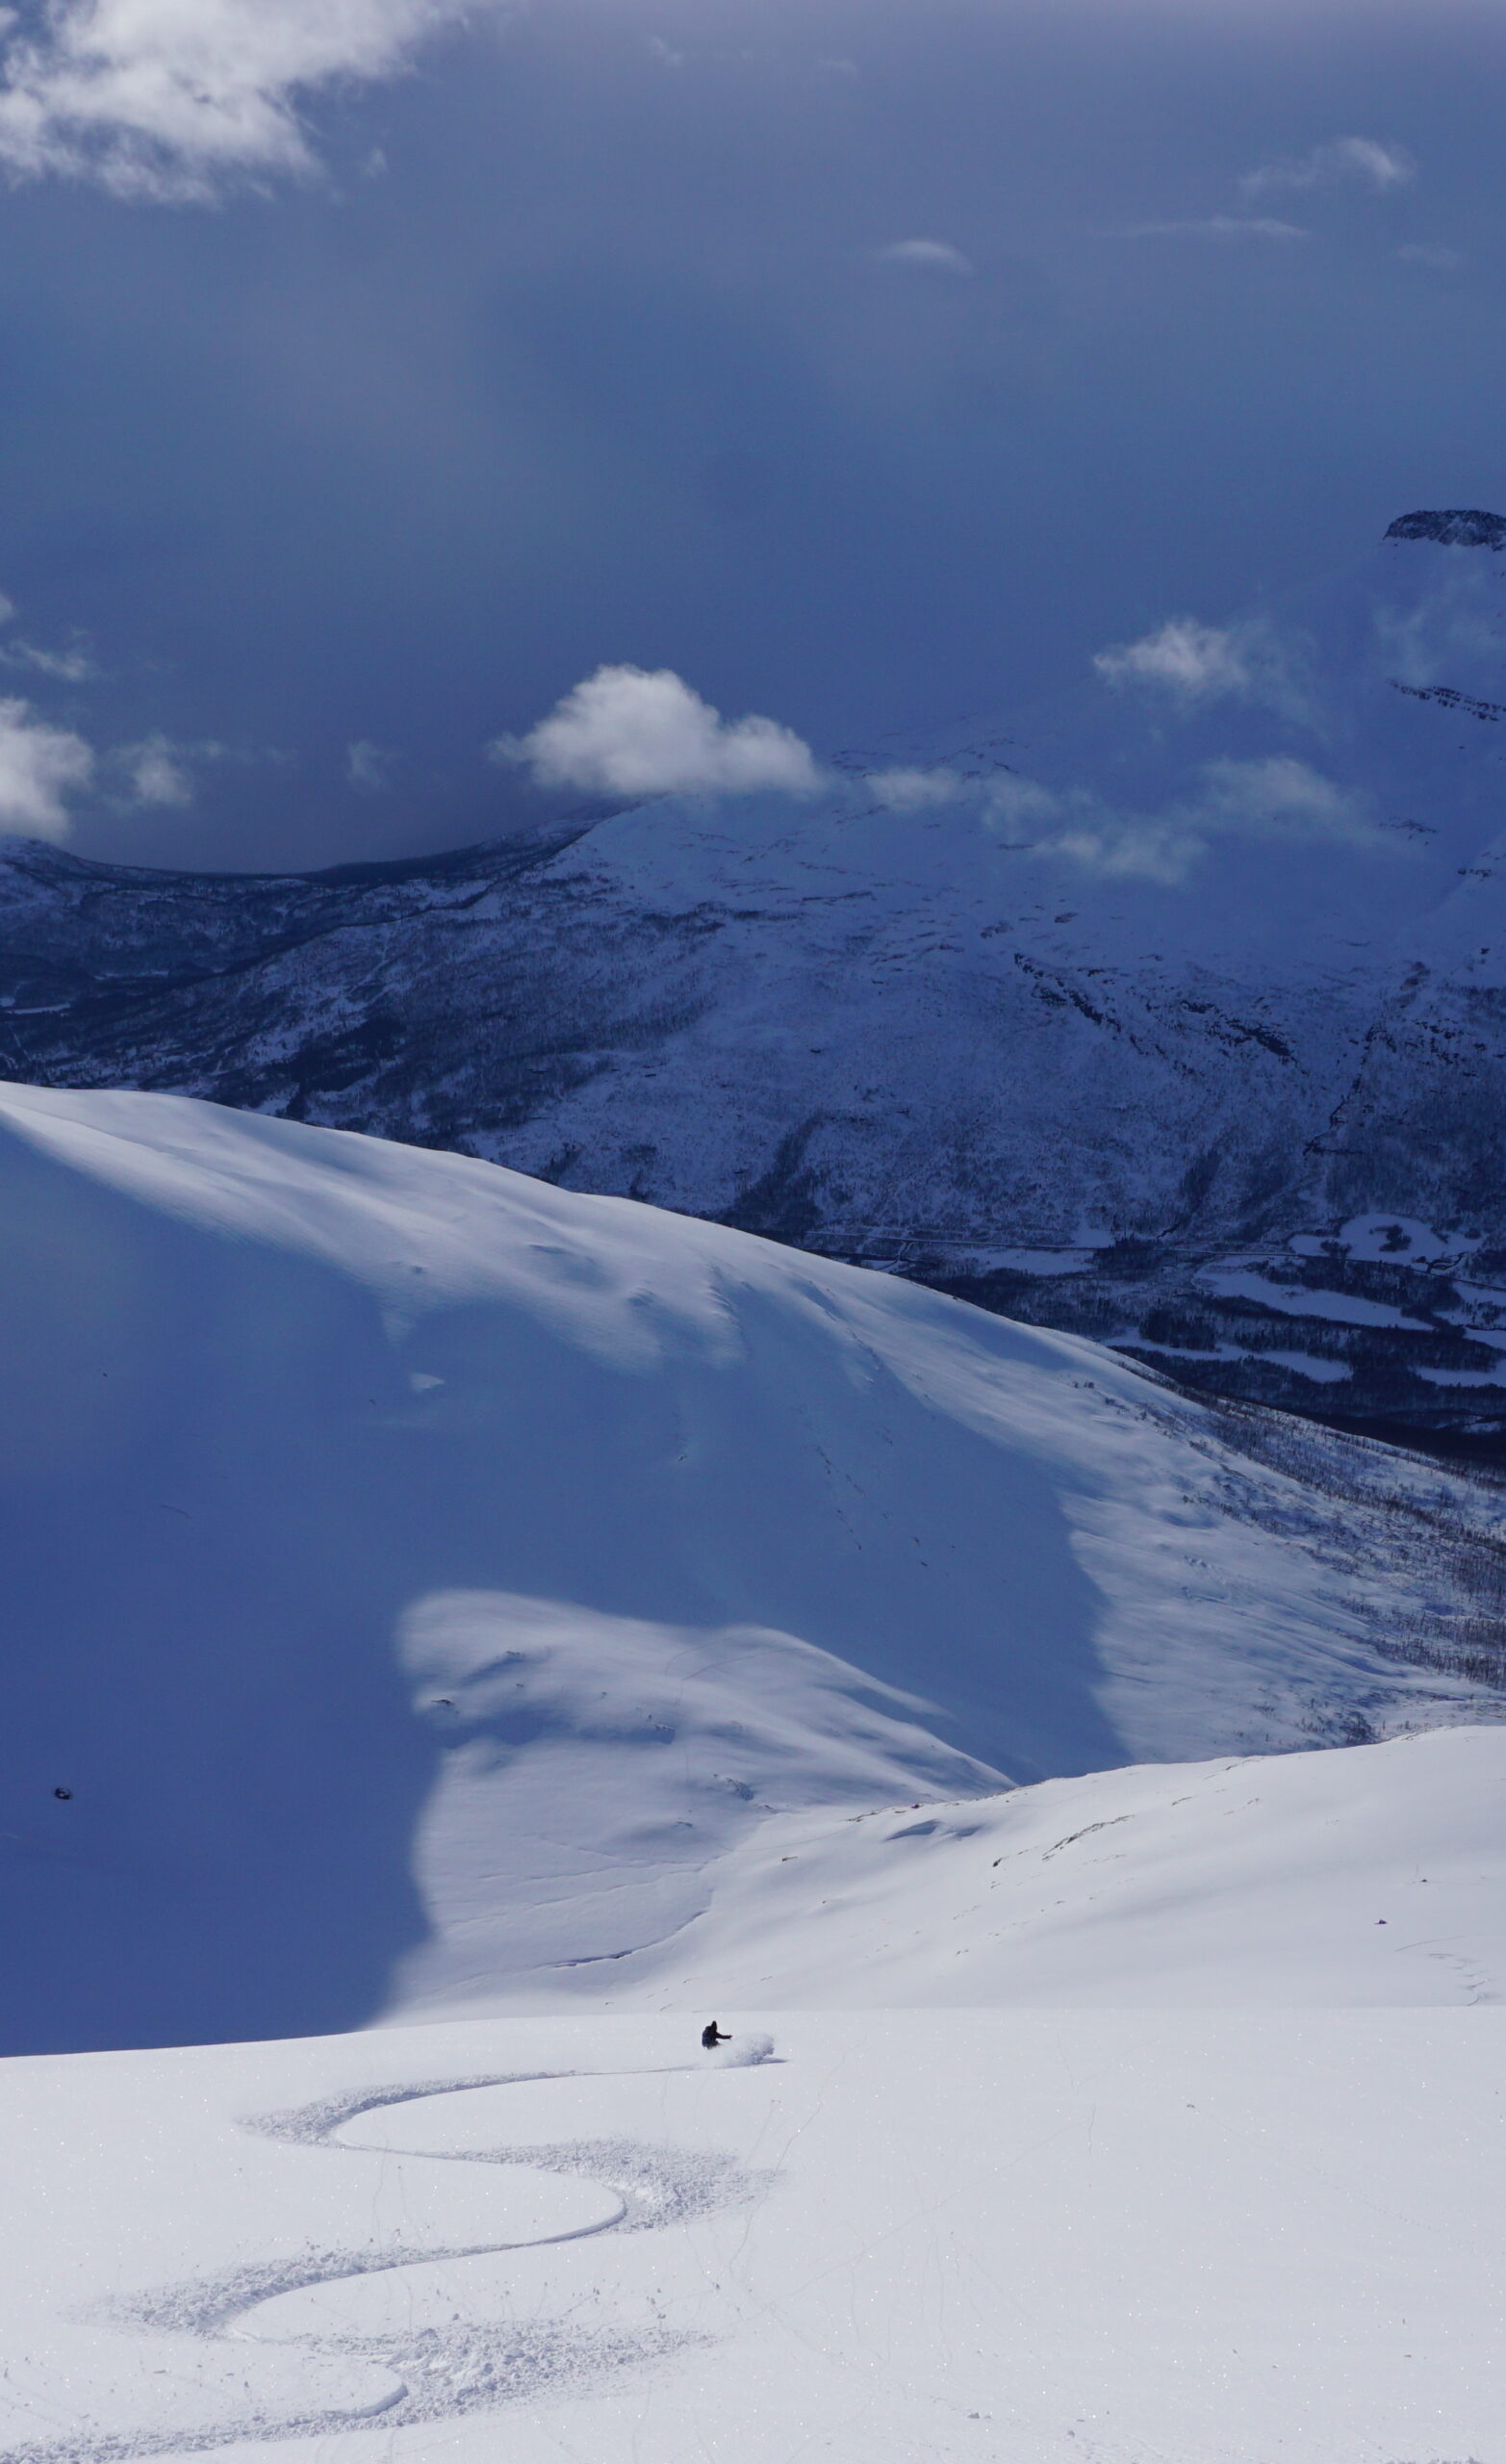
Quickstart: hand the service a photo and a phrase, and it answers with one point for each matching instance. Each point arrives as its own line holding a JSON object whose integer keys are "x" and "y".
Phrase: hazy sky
{"x": 377, "y": 370}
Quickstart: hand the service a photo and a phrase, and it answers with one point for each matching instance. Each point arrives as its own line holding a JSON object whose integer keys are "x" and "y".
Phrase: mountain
{"x": 421, "y": 1582}
{"x": 1174, "y": 1014}
{"x": 538, "y": 1622}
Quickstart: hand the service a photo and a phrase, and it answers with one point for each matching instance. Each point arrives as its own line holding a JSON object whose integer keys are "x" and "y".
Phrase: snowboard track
{"x": 440, "y": 2374}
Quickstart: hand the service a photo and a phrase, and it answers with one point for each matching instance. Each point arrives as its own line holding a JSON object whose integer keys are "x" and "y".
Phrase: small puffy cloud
{"x": 171, "y": 99}
{"x": 1193, "y": 664}
{"x": 1217, "y": 226}
{"x": 933, "y": 256}
{"x": 1199, "y": 661}
{"x": 40, "y": 766}
{"x": 629, "y": 731}
{"x": 1373, "y": 162}
{"x": 154, "y": 771}
{"x": 368, "y": 766}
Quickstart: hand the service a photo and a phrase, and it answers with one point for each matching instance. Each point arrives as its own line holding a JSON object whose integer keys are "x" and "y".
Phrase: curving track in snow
{"x": 432, "y": 2373}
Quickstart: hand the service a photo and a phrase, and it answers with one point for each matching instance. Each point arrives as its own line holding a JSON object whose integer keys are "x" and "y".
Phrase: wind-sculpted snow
{"x": 433, "y": 2372}
{"x": 418, "y": 1578}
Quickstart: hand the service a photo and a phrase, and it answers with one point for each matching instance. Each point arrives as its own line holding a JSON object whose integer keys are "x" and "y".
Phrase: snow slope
{"x": 416, "y": 1575}
{"x": 1375, "y": 1877}
{"x": 909, "y": 2237}
{"x": 438, "y": 1592}
{"x": 1203, "y": 967}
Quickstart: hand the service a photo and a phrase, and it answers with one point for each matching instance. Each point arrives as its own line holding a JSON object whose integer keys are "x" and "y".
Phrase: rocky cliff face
{"x": 1176, "y": 1014}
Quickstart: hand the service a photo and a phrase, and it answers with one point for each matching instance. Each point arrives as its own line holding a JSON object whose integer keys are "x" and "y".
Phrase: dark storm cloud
{"x": 362, "y": 409}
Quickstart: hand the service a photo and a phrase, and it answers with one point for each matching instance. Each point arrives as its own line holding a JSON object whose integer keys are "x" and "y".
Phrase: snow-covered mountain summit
{"x": 1175, "y": 1014}
{"x": 418, "y": 1579}
{"x": 1457, "y": 528}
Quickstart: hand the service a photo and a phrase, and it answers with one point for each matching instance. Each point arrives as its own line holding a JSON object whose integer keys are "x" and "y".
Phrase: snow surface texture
{"x": 911, "y": 2237}
{"x": 433, "y": 2371}
{"x": 1197, "y": 969}
{"x": 420, "y": 1579}
{"x": 1376, "y": 1876}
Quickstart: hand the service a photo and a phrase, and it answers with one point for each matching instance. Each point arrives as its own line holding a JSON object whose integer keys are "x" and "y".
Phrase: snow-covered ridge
{"x": 1205, "y": 962}
{"x": 1372, "y": 1877}
{"x": 416, "y": 1575}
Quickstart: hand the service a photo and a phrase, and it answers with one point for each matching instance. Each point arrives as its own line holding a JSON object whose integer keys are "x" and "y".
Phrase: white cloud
{"x": 39, "y": 767}
{"x": 1421, "y": 640}
{"x": 1143, "y": 850}
{"x": 368, "y": 766}
{"x": 1015, "y": 804}
{"x": 1275, "y": 798}
{"x": 1278, "y": 797}
{"x": 1197, "y": 663}
{"x": 1217, "y": 226}
{"x": 155, "y": 772}
{"x": 1419, "y": 252}
{"x": 170, "y": 99}
{"x": 1076, "y": 825}
{"x": 916, "y": 790}
{"x": 626, "y": 732}
{"x": 66, "y": 667}
{"x": 1010, "y": 806}
{"x": 1374, "y": 161}
{"x": 937, "y": 256}
{"x": 70, "y": 666}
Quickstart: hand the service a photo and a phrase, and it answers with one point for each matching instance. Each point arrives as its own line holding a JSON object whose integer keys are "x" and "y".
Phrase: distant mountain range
{"x": 1174, "y": 1014}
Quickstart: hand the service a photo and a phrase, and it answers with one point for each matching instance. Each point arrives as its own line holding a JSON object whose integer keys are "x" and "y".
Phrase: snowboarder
{"x": 711, "y": 2034}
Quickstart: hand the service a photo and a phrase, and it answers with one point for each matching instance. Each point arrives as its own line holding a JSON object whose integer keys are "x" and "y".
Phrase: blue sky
{"x": 375, "y": 372}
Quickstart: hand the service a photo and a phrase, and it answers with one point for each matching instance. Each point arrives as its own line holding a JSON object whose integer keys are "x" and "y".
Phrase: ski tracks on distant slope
{"x": 437, "y": 2374}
